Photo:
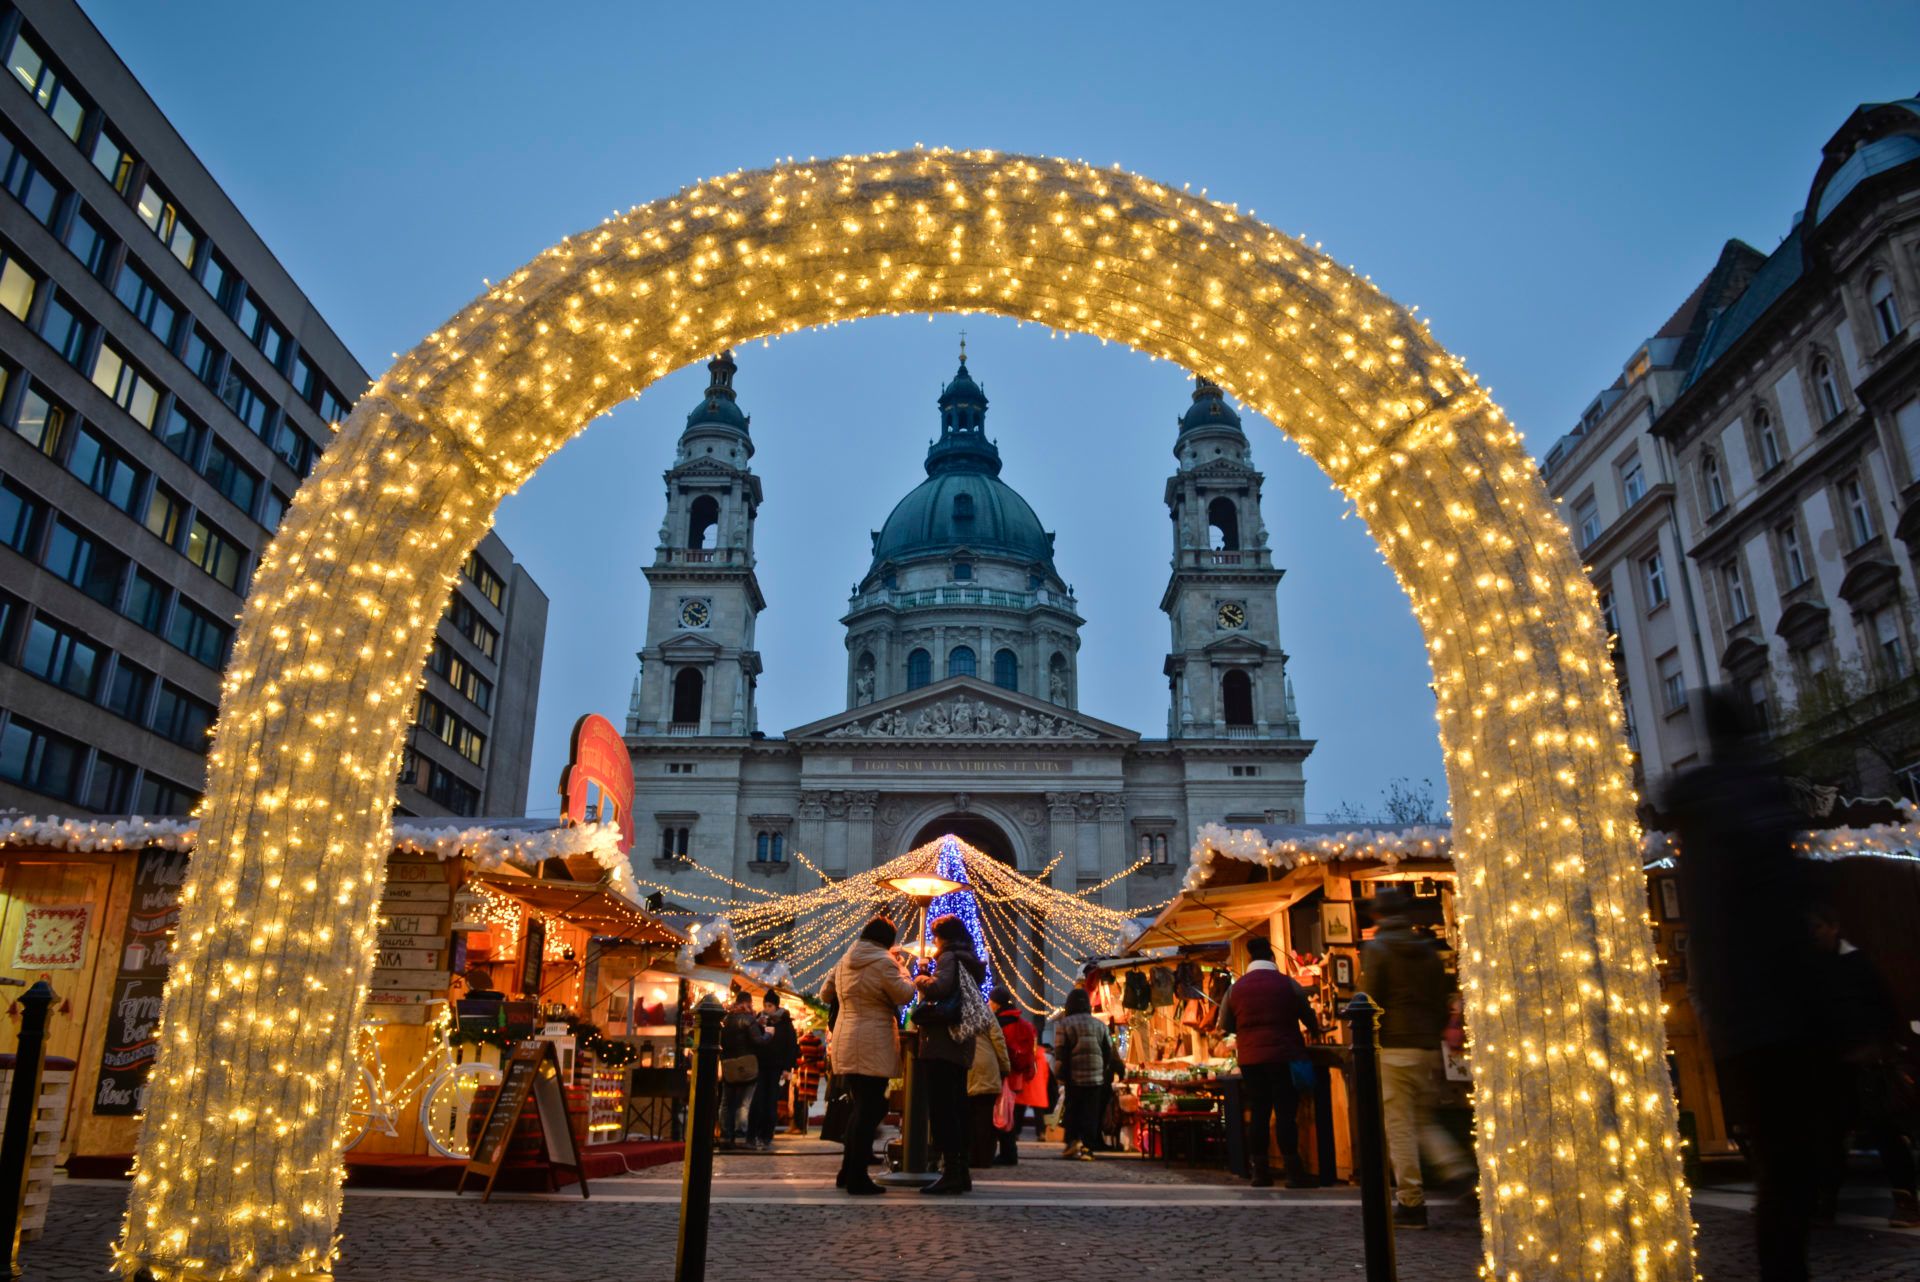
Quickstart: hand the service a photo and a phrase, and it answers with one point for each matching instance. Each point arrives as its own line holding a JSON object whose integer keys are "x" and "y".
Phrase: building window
{"x": 444, "y": 787}
{"x": 162, "y": 798}
{"x": 467, "y": 622}
{"x": 1153, "y": 848}
{"x": 220, "y": 281}
{"x": 1827, "y": 390}
{"x": 272, "y": 508}
{"x": 42, "y": 421}
{"x": 962, "y": 571}
{"x": 688, "y": 687}
{"x": 1890, "y": 640}
{"x": 1244, "y": 772}
{"x": 88, "y": 243}
{"x": 1768, "y": 439}
{"x": 481, "y": 575}
{"x": 1853, "y": 496}
{"x": 1633, "y": 481}
{"x": 1656, "y": 578}
{"x": 130, "y": 389}
{"x": 146, "y": 600}
{"x": 1762, "y": 703}
{"x": 20, "y": 516}
{"x": 1006, "y": 670}
{"x": 16, "y": 286}
{"x": 1236, "y": 698}
{"x": 673, "y": 843}
{"x": 1609, "y": 617}
{"x": 113, "y": 160}
{"x": 40, "y": 80}
{"x": 248, "y": 403}
{"x": 702, "y": 517}
{"x": 770, "y": 847}
{"x": 55, "y": 653}
{"x": 445, "y": 726}
{"x": 38, "y": 194}
{"x": 202, "y": 355}
{"x": 292, "y": 446}
{"x": 960, "y": 661}
{"x": 460, "y": 674}
{"x": 161, "y": 215}
{"x": 1737, "y": 608}
{"x": 199, "y": 635}
{"x": 216, "y": 553}
{"x": 234, "y": 479}
{"x": 66, "y": 333}
{"x": 149, "y": 306}
{"x": 1223, "y": 525}
{"x": 165, "y": 511}
{"x": 680, "y": 767}
{"x": 1716, "y": 491}
{"x": 180, "y": 718}
{"x": 109, "y": 786}
{"x": 919, "y": 669}
{"x": 127, "y": 691}
{"x": 1626, "y": 716}
{"x": 94, "y": 569}
{"x": 962, "y": 507}
{"x": 37, "y": 758}
{"x": 1788, "y": 538}
{"x": 1586, "y": 519}
{"x": 1673, "y": 683}
{"x": 1885, "y": 307}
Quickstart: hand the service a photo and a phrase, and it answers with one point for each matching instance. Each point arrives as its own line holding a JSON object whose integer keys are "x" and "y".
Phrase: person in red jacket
{"x": 1265, "y": 1013}
{"x": 1020, "y": 1053}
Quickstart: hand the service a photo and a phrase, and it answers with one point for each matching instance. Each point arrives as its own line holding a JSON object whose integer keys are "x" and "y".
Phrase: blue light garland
{"x": 961, "y": 903}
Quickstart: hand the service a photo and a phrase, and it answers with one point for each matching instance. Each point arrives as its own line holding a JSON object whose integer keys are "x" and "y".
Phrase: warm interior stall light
{"x": 239, "y": 1167}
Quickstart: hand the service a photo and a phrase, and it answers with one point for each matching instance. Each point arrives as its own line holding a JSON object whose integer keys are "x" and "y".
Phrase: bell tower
{"x": 1226, "y": 672}
{"x": 699, "y": 666}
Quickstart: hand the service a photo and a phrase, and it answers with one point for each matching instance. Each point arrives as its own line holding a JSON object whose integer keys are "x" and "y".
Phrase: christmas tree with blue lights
{"x": 961, "y": 903}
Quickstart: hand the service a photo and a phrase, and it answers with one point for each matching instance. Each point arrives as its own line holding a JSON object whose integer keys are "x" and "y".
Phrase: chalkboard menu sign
{"x": 533, "y": 956}
{"x": 133, "y": 1017}
{"x": 530, "y": 1075}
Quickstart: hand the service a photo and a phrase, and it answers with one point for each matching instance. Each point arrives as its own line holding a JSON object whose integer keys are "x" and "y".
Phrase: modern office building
{"x": 165, "y": 386}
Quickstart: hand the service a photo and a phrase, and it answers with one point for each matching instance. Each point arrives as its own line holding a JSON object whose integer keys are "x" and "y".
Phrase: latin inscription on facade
{"x": 961, "y": 765}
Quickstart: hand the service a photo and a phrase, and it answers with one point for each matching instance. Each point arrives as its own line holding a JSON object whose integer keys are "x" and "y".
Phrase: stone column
{"x": 1087, "y": 846}
{"x": 811, "y": 838}
{"x": 860, "y": 806}
{"x": 1114, "y": 854}
{"x": 836, "y": 825}
{"x": 1062, "y": 833}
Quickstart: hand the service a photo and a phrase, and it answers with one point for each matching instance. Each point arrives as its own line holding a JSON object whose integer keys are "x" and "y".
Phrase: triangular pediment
{"x": 961, "y": 709}
{"x": 687, "y": 645}
{"x": 1234, "y": 645}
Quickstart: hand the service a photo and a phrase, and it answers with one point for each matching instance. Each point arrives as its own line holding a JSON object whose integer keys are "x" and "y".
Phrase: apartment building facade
{"x": 1747, "y": 494}
{"x": 165, "y": 387}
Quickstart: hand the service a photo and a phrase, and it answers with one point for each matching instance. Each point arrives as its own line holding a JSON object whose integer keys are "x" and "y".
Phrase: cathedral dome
{"x": 1209, "y": 409}
{"x": 720, "y": 407}
{"x": 963, "y": 503}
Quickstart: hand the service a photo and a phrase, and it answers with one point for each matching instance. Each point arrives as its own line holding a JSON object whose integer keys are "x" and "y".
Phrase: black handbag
{"x": 940, "y": 1012}
{"x": 833, "y": 1127}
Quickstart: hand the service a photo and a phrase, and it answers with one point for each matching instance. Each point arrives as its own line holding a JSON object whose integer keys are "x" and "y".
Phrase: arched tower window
{"x": 1223, "y": 518}
{"x": 1006, "y": 670}
{"x": 919, "y": 669}
{"x": 963, "y": 507}
{"x": 1057, "y": 678}
{"x": 1236, "y": 698}
{"x": 960, "y": 662}
{"x": 688, "y": 686}
{"x": 704, "y": 516}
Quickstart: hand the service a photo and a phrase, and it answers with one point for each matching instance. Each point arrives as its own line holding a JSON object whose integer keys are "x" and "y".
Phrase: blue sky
{"x": 1546, "y": 185}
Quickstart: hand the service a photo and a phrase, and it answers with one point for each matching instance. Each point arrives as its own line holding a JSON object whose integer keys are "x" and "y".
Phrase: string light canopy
{"x": 239, "y": 1168}
{"x": 1022, "y": 927}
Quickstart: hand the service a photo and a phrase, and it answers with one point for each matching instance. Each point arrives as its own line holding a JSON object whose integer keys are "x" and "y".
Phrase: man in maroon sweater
{"x": 1265, "y": 1013}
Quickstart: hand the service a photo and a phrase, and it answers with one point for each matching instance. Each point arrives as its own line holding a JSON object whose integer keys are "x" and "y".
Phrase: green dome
{"x": 962, "y": 509}
{"x": 963, "y": 503}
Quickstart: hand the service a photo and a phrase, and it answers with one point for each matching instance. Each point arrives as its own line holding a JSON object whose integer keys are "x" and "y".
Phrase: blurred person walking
{"x": 741, "y": 1037}
{"x": 1750, "y": 972}
{"x": 1265, "y": 1013}
{"x": 1084, "y": 1060}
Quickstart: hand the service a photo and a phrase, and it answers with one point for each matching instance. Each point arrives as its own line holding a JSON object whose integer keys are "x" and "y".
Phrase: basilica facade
{"x": 961, "y": 711}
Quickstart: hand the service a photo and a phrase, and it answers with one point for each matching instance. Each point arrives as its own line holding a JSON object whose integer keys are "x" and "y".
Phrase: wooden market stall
{"x": 91, "y": 905}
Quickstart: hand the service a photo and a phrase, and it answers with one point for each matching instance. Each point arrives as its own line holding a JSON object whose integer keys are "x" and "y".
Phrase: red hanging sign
{"x": 597, "y": 785}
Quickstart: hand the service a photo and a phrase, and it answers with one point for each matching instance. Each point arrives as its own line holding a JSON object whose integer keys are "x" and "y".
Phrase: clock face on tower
{"x": 1231, "y": 614}
{"x": 695, "y": 612}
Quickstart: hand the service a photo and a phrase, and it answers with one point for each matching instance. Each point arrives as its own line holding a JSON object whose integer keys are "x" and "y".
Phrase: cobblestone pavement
{"x": 777, "y": 1216}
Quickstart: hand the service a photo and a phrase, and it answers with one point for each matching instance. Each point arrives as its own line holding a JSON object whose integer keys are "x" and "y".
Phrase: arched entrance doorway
{"x": 976, "y": 830}
{"x": 238, "y": 1164}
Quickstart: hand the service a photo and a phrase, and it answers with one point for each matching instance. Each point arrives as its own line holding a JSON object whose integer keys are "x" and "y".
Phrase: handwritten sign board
{"x": 530, "y": 1075}
{"x": 411, "y": 965}
{"x": 133, "y": 1017}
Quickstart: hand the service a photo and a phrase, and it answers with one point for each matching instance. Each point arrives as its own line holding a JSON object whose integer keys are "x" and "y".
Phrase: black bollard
{"x": 696, "y": 1172}
{"x": 23, "y": 1107}
{"x": 1376, "y": 1209}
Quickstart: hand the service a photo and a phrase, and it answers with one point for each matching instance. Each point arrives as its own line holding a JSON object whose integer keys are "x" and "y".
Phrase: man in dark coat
{"x": 1402, "y": 972}
{"x": 1265, "y": 1012}
{"x": 777, "y": 1055}
{"x": 1750, "y": 964}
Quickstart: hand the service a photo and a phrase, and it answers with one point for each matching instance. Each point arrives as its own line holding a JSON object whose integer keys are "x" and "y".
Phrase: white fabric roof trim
{"x": 487, "y": 847}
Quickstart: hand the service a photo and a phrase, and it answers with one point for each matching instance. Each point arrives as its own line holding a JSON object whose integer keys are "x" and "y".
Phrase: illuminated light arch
{"x": 238, "y": 1172}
